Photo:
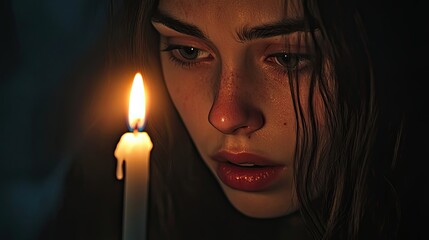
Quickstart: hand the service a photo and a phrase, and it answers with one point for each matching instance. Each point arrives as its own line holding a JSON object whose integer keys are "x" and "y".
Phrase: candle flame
{"x": 137, "y": 105}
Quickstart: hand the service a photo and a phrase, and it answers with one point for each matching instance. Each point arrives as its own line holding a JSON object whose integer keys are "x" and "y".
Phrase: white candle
{"x": 134, "y": 148}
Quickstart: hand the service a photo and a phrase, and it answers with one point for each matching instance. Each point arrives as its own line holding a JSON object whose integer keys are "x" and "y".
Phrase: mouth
{"x": 247, "y": 172}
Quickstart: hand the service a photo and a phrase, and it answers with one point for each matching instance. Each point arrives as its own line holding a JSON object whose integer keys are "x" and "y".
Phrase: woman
{"x": 267, "y": 121}
{"x": 279, "y": 101}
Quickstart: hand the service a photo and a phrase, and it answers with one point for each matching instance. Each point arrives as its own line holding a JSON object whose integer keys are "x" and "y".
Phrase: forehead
{"x": 233, "y": 12}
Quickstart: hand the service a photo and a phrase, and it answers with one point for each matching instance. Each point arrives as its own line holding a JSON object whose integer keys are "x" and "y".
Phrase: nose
{"x": 234, "y": 110}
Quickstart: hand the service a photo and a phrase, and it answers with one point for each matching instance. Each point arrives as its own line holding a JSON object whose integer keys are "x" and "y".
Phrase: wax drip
{"x": 119, "y": 171}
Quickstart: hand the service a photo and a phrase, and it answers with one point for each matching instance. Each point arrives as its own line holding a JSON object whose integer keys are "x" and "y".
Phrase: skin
{"x": 235, "y": 95}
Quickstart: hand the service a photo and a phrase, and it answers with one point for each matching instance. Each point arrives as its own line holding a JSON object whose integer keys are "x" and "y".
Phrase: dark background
{"x": 51, "y": 49}
{"x": 42, "y": 43}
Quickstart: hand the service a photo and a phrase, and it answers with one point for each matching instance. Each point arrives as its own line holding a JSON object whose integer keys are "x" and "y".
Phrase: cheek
{"x": 310, "y": 99}
{"x": 189, "y": 92}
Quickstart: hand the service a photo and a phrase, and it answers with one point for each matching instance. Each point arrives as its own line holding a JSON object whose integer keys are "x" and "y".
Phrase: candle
{"x": 134, "y": 148}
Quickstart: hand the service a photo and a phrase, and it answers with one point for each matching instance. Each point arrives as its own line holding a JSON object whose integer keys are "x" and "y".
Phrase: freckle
{"x": 284, "y": 124}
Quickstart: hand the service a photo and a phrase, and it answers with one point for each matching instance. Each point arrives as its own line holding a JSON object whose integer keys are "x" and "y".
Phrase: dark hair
{"x": 350, "y": 172}
{"x": 357, "y": 199}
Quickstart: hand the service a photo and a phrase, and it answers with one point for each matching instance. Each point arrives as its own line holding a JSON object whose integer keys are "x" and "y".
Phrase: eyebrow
{"x": 178, "y": 25}
{"x": 285, "y": 26}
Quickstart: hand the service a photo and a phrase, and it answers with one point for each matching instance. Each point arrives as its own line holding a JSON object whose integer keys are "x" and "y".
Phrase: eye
{"x": 187, "y": 53}
{"x": 287, "y": 60}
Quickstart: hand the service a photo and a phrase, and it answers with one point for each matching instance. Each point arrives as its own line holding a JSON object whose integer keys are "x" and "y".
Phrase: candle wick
{"x": 136, "y": 126}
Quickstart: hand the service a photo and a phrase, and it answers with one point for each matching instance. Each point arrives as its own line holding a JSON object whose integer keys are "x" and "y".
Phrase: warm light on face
{"x": 137, "y": 105}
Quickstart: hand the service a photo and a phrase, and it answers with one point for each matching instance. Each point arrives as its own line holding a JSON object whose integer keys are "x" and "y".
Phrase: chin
{"x": 262, "y": 204}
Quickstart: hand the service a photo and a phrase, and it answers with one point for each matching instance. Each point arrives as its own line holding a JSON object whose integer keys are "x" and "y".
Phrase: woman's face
{"x": 228, "y": 66}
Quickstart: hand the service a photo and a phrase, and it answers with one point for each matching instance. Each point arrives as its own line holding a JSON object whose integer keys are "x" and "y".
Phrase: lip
{"x": 249, "y": 179}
